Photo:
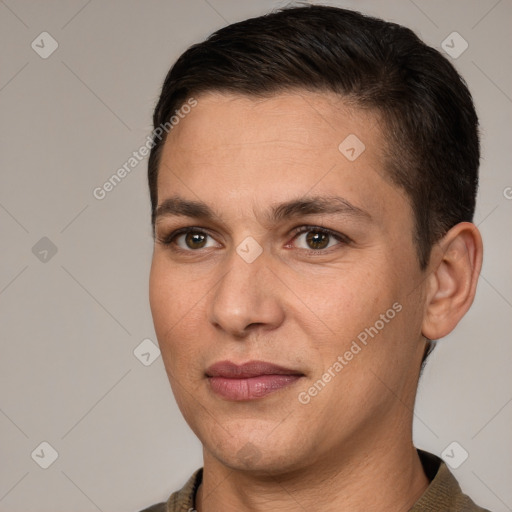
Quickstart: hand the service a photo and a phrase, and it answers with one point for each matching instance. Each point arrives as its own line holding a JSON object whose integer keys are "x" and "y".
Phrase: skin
{"x": 350, "y": 447}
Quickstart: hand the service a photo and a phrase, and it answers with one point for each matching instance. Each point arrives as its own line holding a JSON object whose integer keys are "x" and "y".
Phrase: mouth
{"x": 249, "y": 381}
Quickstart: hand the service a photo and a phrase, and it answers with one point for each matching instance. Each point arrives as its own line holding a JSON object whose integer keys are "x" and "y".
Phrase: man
{"x": 313, "y": 182}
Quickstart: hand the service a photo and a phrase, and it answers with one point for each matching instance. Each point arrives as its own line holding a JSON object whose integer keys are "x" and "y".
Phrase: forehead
{"x": 296, "y": 117}
{"x": 268, "y": 149}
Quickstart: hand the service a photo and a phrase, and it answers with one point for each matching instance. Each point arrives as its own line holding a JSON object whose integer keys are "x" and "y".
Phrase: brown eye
{"x": 317, "y": 239}
{"x": 195, "y": 240}
{"x": 191, "y": 240}
{"x": 313, "y": 238}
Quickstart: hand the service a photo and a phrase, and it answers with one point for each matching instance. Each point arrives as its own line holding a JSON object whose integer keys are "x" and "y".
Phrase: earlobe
{"x": 456, "y": 263}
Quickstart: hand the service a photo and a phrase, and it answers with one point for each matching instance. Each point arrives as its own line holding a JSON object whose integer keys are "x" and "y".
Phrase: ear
{"x": 455, "y": 266}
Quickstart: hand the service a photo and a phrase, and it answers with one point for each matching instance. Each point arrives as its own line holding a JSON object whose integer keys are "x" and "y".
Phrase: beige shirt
{"x": 442, "y": 495}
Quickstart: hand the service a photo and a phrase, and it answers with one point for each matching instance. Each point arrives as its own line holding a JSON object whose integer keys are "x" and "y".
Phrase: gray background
{"x": 69, "y": 322}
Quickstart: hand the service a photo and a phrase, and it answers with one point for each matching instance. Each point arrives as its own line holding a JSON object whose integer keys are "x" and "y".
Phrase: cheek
{"x": 176, "y": 307}
{"x": 161, "y": 288}
{"x": 173, "y": 292}
{"x": 344, "y": 300}
{"x": 360, "y": 335}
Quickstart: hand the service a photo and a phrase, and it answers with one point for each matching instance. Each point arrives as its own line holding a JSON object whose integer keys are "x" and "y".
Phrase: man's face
{"x": 299, "y": 256}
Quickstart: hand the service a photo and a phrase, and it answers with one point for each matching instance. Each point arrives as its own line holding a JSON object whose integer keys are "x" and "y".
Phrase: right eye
{"x": 189, "y": 240}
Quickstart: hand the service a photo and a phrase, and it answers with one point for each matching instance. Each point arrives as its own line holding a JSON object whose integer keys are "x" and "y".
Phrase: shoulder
{"x": 444, "y": 492}
{"x": 182, "y": 500}
{"x": 159, "y": 507}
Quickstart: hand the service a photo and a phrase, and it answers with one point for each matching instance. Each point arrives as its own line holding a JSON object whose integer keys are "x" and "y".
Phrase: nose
{"x": 246, "y": 298}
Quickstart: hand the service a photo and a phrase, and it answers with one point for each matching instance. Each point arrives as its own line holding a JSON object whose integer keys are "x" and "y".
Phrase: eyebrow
{"x": 177, "y": 206}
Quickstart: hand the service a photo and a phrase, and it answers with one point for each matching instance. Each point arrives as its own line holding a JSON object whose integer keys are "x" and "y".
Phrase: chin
{"x": 265, "y": 454}
{"x": 259, "y": 461}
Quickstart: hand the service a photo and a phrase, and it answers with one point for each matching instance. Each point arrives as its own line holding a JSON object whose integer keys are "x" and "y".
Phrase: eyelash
{"x": 168, "y": 240}
{"x": 342, "y": 239}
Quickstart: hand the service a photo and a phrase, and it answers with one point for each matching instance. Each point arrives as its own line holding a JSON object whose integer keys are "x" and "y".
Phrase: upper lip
{"x": 230, "y": 370}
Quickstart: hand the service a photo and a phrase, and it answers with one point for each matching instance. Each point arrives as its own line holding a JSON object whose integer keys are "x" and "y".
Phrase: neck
{"x": 387, "y": 478}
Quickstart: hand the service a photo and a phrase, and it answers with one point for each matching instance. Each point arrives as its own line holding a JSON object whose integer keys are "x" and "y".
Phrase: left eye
{"x": 316, "y": 239}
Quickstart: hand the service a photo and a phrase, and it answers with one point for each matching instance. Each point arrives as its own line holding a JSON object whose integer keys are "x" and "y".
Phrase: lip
{"x": 249, "y": 381}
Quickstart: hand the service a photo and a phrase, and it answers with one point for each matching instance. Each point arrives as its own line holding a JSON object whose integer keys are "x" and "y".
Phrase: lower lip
{"x": 252, "y": 387}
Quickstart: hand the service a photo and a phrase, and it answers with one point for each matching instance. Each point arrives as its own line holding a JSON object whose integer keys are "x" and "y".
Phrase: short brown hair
{"x": 430, "y": 120}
